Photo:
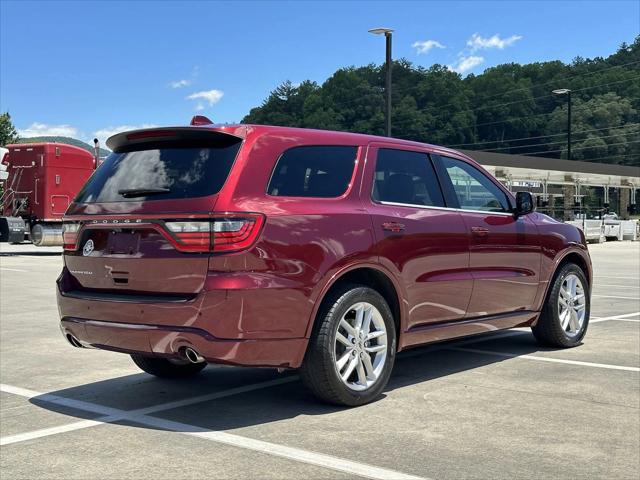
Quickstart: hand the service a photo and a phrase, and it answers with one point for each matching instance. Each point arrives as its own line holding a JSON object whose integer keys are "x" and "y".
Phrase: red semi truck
{"x": 43, "y": 178}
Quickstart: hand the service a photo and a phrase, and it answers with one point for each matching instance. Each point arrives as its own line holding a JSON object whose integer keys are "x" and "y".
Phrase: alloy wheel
{"x": 572, "y": 305}
{"x": 360, "y": 349}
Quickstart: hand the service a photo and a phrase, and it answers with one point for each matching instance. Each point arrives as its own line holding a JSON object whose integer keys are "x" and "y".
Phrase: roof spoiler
{"x": 128, "y": 140}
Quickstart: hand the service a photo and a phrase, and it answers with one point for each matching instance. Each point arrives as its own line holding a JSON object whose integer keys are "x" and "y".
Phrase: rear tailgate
{"x": 141, "y": 223}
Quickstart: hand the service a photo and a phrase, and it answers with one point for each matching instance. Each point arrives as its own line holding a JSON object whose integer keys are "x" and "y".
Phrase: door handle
{"x": 393, "y": 227}
{"x": 479, "y": 231}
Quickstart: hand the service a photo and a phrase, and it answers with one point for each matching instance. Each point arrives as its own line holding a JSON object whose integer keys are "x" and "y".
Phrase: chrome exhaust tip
{"x": 192, "y": 355}
{"x": 74, "y": 341}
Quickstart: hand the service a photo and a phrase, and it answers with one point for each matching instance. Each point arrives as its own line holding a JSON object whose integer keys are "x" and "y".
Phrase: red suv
{"x": 291, "y": 248}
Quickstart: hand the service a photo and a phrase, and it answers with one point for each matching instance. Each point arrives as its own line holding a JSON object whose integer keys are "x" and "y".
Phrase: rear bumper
{"x": 212, "y": 322}
{"x": 166, "y": 341}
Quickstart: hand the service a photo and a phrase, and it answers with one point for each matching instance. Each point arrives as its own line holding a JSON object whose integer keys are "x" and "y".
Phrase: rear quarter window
{"x": 320, "y": 171}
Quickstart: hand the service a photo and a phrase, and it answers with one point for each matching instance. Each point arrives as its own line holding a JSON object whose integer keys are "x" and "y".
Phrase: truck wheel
{"x": 167, "y": 367}
{"x": 352, "y": 348}
{"x": 565, "y": 317}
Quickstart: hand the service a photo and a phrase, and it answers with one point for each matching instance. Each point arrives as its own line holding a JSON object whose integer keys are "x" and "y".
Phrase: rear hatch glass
{"x": 162, "y": 171}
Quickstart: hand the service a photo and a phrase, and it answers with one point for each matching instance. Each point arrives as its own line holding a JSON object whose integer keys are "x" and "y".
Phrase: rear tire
{"x": 167, "y": 368}
{"x": 352, "y": 348}
{"x": 565, "y": 316}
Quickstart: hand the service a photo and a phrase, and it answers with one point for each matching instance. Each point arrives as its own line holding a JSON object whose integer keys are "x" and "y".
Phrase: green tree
{"x": 508, "y": 108}
{"x": 8, "y": 133}
{"x": 605, "y": 128}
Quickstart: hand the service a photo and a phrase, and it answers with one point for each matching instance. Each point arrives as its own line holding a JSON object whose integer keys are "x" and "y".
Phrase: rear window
{"x": 161, "y": 172}
{"x": 313, "y": 171}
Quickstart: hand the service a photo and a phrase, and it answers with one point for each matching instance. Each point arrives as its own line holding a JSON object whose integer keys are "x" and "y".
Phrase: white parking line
{"x": 113, "y": 415}
{"x": 622, "y": 318}
{"x": 12, "y": 269}
{"x": 621, "y": 278}
{"x": 614, "y": 296}
{"x": 636, "y": 287}
{"x": 290, "y": 453}
{"x": 547, "y": 359}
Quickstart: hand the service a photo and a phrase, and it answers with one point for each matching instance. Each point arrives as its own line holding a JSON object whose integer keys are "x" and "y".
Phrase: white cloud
{"x": 106, "y": 132}
{"x": 466, "y": 63}
{"x": 199, "y": 107}
{"x": 180, "y": 83}
{"x": 210, "y": 96}
{"x": 478, "y": 42}
{"x": 426, "y": 45}
{"x": 43, "y": 130}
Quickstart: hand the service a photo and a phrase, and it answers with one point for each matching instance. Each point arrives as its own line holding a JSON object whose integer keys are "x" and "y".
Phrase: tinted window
{"x": 161, "y": 173}
{"x": 313, "y": 171}
{"x": 406, "y": 177}
{"x": 473, "y": 189}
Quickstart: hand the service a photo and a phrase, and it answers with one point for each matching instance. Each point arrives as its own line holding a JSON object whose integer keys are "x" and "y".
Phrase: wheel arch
{"x": 575, "y": 256}
{"x": 578, "y": 259}
{"x": 368, "y": 275}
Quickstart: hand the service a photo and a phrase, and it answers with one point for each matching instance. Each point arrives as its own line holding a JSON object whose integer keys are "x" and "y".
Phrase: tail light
{"x": 228, "y": 233}
{"x": 70, "y": 235}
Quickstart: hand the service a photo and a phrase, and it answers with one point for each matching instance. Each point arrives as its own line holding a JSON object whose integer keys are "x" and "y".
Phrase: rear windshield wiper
{"x": 142, "y": 192}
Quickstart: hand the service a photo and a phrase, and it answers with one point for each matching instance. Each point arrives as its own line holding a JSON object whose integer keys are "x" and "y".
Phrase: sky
{"x": 93, "y": 68}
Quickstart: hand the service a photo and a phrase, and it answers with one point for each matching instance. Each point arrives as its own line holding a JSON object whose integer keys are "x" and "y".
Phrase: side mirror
{"x": 524, "y": 204}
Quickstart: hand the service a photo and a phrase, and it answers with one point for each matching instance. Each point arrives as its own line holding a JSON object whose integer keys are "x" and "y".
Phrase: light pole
{"x": 387, "y": 34}
{"x": 567, "y": 92}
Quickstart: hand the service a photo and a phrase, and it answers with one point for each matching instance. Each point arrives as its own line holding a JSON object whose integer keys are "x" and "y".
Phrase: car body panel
{"x": 258, "y": 306}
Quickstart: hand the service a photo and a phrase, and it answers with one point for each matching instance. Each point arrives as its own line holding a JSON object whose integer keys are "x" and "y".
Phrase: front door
{"x": 504, "y": 251}
{"x": 426, "y": 245}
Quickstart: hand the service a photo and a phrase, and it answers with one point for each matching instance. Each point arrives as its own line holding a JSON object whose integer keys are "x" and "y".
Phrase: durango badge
{"x": 88, "y": 248}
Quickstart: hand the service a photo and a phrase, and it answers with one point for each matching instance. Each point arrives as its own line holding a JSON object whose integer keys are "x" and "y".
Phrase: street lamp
{"x": 387, "y": 34}
{"x": 567, "y": 92}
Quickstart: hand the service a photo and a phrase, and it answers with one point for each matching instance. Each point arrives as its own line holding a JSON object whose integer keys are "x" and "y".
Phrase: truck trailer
{"x": 42, "y": 180}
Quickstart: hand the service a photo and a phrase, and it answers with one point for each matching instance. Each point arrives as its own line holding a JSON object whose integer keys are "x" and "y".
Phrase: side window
{"x": 313, "y": 171}
{"x": 406, "y": 177}
{"x": 474, "y": 190}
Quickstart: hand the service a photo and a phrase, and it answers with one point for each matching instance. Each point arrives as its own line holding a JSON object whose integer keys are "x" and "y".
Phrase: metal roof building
{"x": 552, "y": 177}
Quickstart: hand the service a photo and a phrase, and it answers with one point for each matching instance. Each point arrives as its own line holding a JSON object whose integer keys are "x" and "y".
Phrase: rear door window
{"x": 162, "y": 171}
{"x": 406, "y": 177}
{"x": 321, "y": 171}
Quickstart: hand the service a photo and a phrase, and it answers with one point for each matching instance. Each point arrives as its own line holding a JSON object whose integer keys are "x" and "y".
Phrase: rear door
{"x": 504, "y": 251}
{"x": 142, "y": 222}
{"x": 425, "y": 244}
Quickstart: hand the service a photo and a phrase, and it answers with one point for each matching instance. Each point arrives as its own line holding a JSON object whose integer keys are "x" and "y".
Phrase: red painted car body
{"x": 445, "y": 272}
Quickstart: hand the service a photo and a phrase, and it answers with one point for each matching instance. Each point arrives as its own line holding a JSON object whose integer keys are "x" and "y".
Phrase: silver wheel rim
{"x": 360, "y": 346}
{"x": 572, "y": 305}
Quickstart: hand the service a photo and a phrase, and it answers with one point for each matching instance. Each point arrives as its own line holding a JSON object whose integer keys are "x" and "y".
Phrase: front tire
{"x": 167, "y": 368}
{"x": 352, "y": 348}
{"x": 565, "y": 317}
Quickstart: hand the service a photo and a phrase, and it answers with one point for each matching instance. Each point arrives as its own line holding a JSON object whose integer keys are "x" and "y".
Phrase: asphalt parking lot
{"x": 495, "y": 406}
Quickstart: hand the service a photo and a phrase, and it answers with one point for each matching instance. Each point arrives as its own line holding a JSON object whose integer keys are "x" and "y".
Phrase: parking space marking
{"x": 114, "y": 415}
{"x": 46, "y": 432}
{"x": 547, "y": 359}
{"x": 615, "y": 296}
{"x": 622, "y": 278}
{"x": 622, "y": 318}
{"x": 12, "y": 269}
{"x": 616, "y": 286}
{"x": 283, "y": 451}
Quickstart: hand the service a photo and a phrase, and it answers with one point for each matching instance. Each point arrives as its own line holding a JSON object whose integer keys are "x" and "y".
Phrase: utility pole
{"x": 388, "y": 62}
{"x": 567, "y": 92}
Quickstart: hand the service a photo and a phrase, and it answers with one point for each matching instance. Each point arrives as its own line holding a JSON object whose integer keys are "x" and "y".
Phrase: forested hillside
{"x": 507, "y": 109}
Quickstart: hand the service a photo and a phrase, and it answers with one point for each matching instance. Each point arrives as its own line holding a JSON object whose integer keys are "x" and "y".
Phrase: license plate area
{"x": 123, "y": 242}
